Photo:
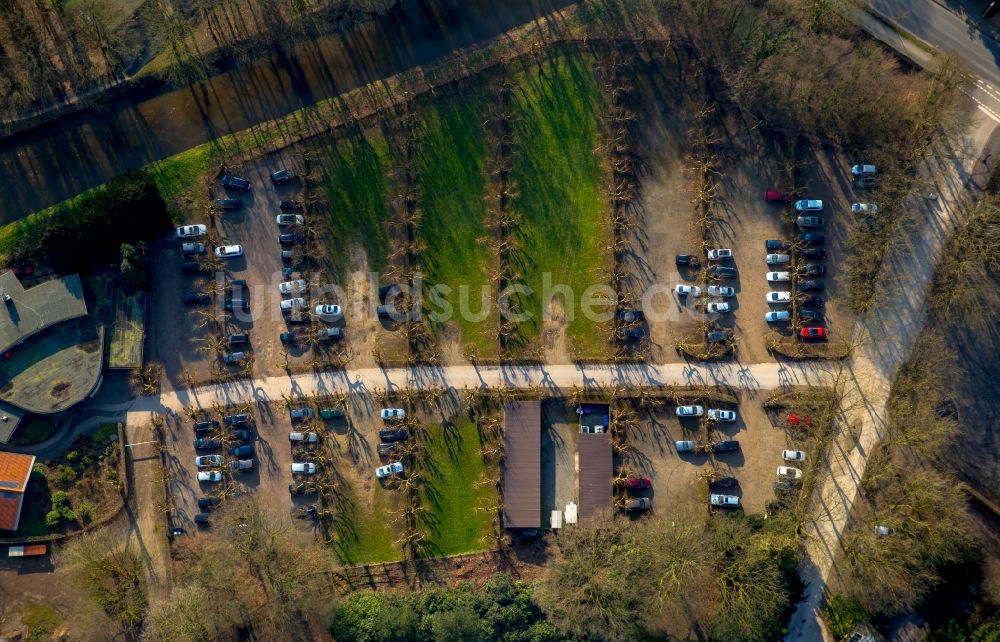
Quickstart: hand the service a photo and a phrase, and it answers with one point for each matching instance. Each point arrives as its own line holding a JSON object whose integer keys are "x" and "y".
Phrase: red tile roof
{"x": 15, "y": 469}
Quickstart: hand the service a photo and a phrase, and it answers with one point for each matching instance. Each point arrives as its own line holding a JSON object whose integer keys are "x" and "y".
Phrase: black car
{"x": 724, "y": 482}
{"x": 813, "y": 253}
{"x": 631, "y": 335}
{"x": 291, "y": 239}
{"x": 393, "y": 435}
{"x": 227, "y": 204}
{"x": 810, "y": 315}
{"x": 810, "y": 238}
{"x": 201, "y": 518}
{"x": 722, "y": 272}
{"x": 774, "y": 246}
{"x": 688, "y": 260}
{"x": 237, "y": 304}
{"x": 813, "y": 302}
{"x": 718, "y": 336}
{"x": 631, "y": 316}
{"x": 810, "y": 221}
{"x": 192, "y": 298}
{"x": 810, "y": 285}
{"x": 245, "y": 450}
{"x": 206, "y": 502}
{"x": 190, "y": 266}
{"x": 302, "y": 489}
{"x": 237, "y": 339}
{"x": 235, "y": 182}
{"x": 204, "y": 426}
{"x": 725, "y": 446}
{"x": 813, "y": 269}
{"x": 281, "y": 176}
{"x": 388, "y": 449}
{"x": 206, "y": 444}
{"x": 787, "y": 486}
{"x": 243, "y": 435}
{"x": 290, "y": 206}
{"x": 287, "y": 337}
{"x": 390, "y": 291}
{"x": 241, "y": 419}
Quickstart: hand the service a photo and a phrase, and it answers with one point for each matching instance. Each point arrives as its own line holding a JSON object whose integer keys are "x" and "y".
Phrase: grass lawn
{"x": 453, "y": 465}
{"x": 34, "y": 430}
{"x": 364, "y": 533}
{"x": 565, "y": 227}
{"x": 355, "y": 169}
{"x": 451, "y": 163}
{"x": 126, "y": 334}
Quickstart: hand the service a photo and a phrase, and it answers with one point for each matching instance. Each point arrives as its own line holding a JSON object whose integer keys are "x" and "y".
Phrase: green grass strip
{"x": 363, "y": 532}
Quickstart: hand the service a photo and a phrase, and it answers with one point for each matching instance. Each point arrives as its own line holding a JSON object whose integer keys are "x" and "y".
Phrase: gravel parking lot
{"x": 560, "y": 464}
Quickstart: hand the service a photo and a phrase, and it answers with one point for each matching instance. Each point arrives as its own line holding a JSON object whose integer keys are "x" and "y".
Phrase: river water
{"x": 43, "y": 167}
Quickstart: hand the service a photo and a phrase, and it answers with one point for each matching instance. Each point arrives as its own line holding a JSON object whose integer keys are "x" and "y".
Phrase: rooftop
{"x": 15, "y": 470}
{"x": 522, "y": 465}
{"x": 596, "y": 476}
{"x": 29, "y": 311}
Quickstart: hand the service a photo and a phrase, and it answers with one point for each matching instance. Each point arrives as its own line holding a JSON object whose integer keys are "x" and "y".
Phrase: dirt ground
{"x": 560, "y": 461}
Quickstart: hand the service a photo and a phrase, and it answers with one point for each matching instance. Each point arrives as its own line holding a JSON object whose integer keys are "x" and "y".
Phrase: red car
{"x": 812, "y": 332}
{"x": 775, "y": 196}
{"x": 638, "y": 482}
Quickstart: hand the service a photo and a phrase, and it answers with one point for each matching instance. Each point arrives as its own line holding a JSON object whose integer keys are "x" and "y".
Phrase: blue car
{"x": 241, "y": 451}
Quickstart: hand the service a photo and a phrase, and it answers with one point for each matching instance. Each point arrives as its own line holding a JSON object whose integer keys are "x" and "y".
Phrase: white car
{"x": 793, "y": 455}
{"x": 778, "y": 277}
{"x": 717, "y": 414}
{"x": 720, "y": 254}
{"x": 293, "y": 304}
{"x": 863, "y": 170}
{"x": 777, "y": 259}
{"x": 290, "y": 219}
{"x": 721, "y": 290}
{"x": 228, "y": 251}
{"x": 808, "y": 206}
{"x": 191, "y": 231}
{"x": 778, "y": 297}
{"x": 291, "y": 287}
{"x": 206, "y": 461}
{"x": 192, "y": 248}
{"x": 690, "y": 411}
{"x": 725, "y": 501}
{"x": 328, "y": 312}
{"x": 307, "y": 437}
{"x": 210, "y": 476}
{"x": 392, "y": 413}
{"x": 864, "y": 208}
{"x": 777, "y": 315}
{"x": 717, "y": 308}
{"x": 787, "y": 472}
{"x": 686, "y": 446}
{"x": 395, "y": 467}
{"x": 687, "y": 290}
{"x": 305, "y": 467}
{"x": 883, "y": 531}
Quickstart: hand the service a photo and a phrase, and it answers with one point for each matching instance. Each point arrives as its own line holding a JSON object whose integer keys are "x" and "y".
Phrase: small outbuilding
{"x": 15, "y": 471}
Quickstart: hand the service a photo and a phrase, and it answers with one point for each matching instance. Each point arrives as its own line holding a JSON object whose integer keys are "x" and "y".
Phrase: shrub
{"x": 38, "y": 471}
{"x": 52, "y": 518}
{"x": 64, "y": 474}
{"x": 85, "y": 511}
{"x": 72, "y": 456}
{"x": 843, "y": 613}
{"x": 59, "y": 499}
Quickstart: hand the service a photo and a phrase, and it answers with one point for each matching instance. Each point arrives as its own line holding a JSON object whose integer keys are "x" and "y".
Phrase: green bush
{"x": 72, "y": 456}
{"x": 37, "y": 471}
{"x": 60, "y": 499}
{"x": 85, "y": 511}
{"x": 843, "y": 613}
{"x": 64, "y": 474}
{"x": 52, "y": 518}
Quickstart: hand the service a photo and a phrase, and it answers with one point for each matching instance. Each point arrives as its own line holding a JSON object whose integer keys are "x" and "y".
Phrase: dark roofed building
{"x": 522, "y": 465}
{"x": 596, "y": 476}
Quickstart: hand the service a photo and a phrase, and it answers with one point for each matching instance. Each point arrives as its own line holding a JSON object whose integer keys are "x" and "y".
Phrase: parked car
{"x": 811, "y": 238}
{"x": 287, "y": 337}
{"x": 193, "y": 298}
{"x": 229, "y": 251}
{"x": 639, "y": 503}
{"x": 788, "y": 486}
{"x": 724, "y": 291}
{"x": 191, "y": 267}
{"x": 204, "y": 426}
{"x": 302, "y": 489}
{"x": 806, "y": 222}
{"x": 210, "y": 476}
{"x": 810, "y": 315}
{"x": 236, "y": 304}
{"x": 281, "y": 176}
{"x": 813, "y": 253}
{"x": 717, "y": 307}
{"x": 777, "y": 315}
{"x": 721, "y": 272}
{"x": 304, "y": 467}
{"x": 690, "y": 411}
{"x": 793, "y": 455}
{"x": 331, "y": 413}
{"x": 883, "y": 531}
{"x": 813, "y": 269}
{"x": 864, "y": 208}
{"x": 777, "y": 259}
{"x": 297, "y": 303}
{"x": 201, "y": 519}
{"x": 777, "y": 277}
{"x": 813, "y": 301}
{"x": 637, "y": 333}
{"x": 246, "y": 450}
{"x": 720, "y": 254}
{"x": 328, "y": 312}
{"x": 241, "y": 465}
{"x": 291, "y": 239}
{"x": 808, "y": 205}
{"x": 724, "y": 482}
{"x": 291, "y": 287}
{"x": 243, "y": 435}
{"x": 687, "y": 260}
{"x": 191, "y": 231}
{"x": 235, "y": 182}
{"x": 290, "y": 219}
{"x": 638, "y": 482}
{"x": 227, "y": 204}
{"x": 718, "y": 414}
{"x": 206, "y": 502}
{"x": 239, "y": 338}
{"x": 687, "y": 290}
{"x": 777, "y": 196}
{"x": 810, "y": 285}
{"x": 812, "y": 332}
{"x": 778, "y": 297}
{"x": 397, "y": 434}
{"x": 241, "y": 419}
{"x": 688, "y": 446}
{"x": 719, "y": 336}
{"x": 289, "y": 206}
{"x": 206, "y": 444}
{"x": 631, "y": 316}
{"x": 192, "y": 248}
{"x": 206, "y": 461}
{"x": 788, "y": 472}
{"x": 298, "y": 414}
{"x": 862, "y": 170}
{"x": 234, "y": 357}
{"x": 389, "y": 469}
{"x": 392, "y": 413}
{"x": 774, "y": 245}
{"x": 724, "y": 501}
{"x": 727, "y": 446}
